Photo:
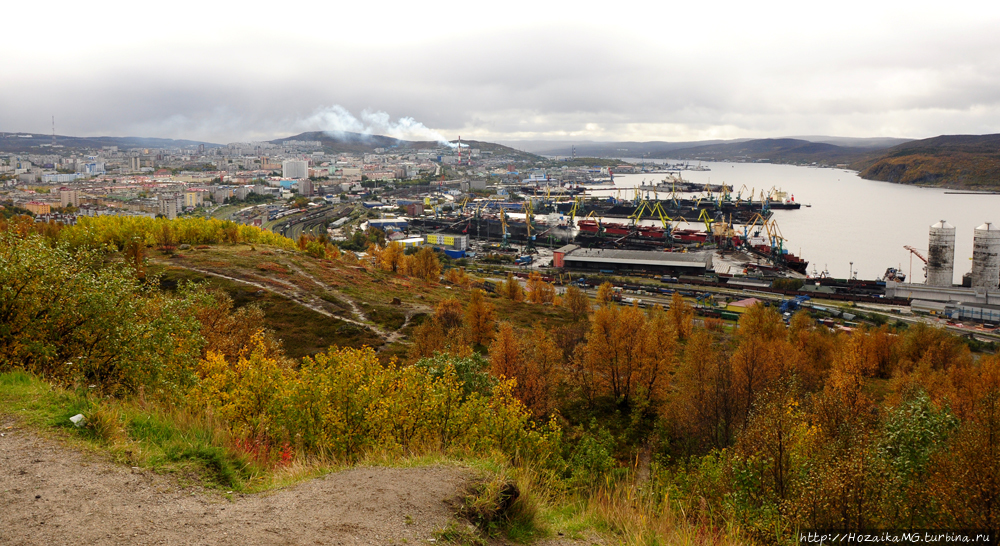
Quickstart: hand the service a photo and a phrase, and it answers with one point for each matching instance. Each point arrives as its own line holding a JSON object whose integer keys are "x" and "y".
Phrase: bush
{"x": 69, "y": 317}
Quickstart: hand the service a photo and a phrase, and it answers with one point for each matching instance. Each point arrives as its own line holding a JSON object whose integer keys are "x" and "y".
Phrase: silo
{"x": 941, "y": 255}
{"x": 986, "y": 257}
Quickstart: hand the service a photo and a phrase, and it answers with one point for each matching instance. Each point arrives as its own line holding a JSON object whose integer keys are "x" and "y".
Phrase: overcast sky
{"x": 611, "y": 70}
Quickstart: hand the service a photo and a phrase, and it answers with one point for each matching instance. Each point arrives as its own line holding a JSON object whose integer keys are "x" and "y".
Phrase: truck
{"x": 792, "y": 305}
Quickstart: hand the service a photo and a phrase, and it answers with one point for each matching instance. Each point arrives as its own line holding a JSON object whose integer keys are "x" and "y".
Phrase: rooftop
{"x": 643, "y": 257}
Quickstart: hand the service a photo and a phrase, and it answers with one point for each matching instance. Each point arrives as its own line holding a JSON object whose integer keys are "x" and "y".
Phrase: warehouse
{"x": 614, "y": 260}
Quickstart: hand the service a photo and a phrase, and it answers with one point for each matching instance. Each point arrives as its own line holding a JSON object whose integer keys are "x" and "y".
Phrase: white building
{"x": 295, "y": 168}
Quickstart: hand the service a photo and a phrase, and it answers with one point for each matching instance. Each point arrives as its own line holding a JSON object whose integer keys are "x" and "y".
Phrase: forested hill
{"x": 775, "y": 150}
{"x": 347, "y": 142}
{"x": 948, "y": 160}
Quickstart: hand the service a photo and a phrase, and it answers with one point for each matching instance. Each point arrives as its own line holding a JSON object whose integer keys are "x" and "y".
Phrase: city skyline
{"x": 203, "y": 71}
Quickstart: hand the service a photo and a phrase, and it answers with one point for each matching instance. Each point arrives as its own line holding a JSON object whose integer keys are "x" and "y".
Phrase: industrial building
{"x": 986, "y": 257}
{"x": 980, "y": 301}
{"x": 980, "y": 312}
{"x": 941, "y": 255}
{"x": 456, "y": 242}
{"x": 607, "y": 259}
{"x": 395, "y": 223}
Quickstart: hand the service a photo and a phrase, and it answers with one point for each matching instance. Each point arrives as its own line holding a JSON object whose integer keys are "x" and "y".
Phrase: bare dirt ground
{"x": 51, "y": 494}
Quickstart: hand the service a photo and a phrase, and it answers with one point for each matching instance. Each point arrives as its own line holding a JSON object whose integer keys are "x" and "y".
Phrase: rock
{"x": 185, "y": 246}
{"x": 78, "y": 419}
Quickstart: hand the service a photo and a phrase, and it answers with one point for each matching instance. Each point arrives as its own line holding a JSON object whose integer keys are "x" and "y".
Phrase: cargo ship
{"x": 779, "y": 256}
{"x": 593, "y": 227}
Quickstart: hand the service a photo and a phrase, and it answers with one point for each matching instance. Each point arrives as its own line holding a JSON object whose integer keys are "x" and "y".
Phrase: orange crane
{"x": 916, "y": 252}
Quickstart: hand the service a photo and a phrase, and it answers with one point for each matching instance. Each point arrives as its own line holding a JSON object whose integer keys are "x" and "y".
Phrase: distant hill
{"x": 345, "y": 142}
{"x": 775, "y": 150}
{"x": 852, "y": 142}
{"x": 34, "y": 142}
{"x": 948, "y": 160}
{"x": 605, "y": 149}
{"x": 811, "y": 149}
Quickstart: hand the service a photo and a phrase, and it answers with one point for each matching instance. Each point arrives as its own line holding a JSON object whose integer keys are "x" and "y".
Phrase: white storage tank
{"x": 986, "y": 257}
{"x": 941, "y": 255}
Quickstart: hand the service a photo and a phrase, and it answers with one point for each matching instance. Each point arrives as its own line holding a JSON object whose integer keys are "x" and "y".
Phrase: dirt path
{"x": 53, "y": 495}
{"x": 356, "y": 310}
{"x": 292, "y": 294}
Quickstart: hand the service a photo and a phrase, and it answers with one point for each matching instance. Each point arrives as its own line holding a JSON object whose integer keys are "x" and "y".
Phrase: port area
{"x": 839, "y": 304}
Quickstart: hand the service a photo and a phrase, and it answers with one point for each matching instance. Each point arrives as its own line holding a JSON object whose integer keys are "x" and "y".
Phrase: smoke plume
{"x": 336, "y": 119}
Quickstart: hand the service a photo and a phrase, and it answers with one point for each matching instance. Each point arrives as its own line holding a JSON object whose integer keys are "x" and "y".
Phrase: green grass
{"x": 388, "y": 317}
{"x": 130, "y": 433}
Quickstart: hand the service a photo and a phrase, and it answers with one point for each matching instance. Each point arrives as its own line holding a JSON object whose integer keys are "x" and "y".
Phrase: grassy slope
{"x": 199, "y": 450}
{"x": 305, "y": 331}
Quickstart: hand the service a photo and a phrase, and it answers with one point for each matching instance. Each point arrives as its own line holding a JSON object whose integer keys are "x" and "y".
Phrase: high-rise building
{"x": 305, "y": 187}
{"x": 295, "y": 168}
{"x": 168, "y": 205}
{"x": 68, "y": 197}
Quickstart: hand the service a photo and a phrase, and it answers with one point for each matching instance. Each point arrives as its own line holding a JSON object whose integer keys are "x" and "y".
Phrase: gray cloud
{"x": 693, "y": 75}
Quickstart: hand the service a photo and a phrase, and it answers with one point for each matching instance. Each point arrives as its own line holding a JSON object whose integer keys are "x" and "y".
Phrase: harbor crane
{"x": 917, "y": 253}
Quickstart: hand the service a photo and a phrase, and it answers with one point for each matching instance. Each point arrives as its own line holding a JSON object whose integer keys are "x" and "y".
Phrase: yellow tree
{"x": 704, "y": 404}
{"x": 479, "y": 318}
{"x": 605, "y": 293}
{"x": 425, "y": 265}
{"x": 511, "y": 289}
{"x": 391, "y": 257}
{"x": 506, "y": 356}
{"x": 616, "y": 351}
{"x": 540, "y": 291}
{"x": 577, "y": 302}
{"x": 530, "y": 360}
{"x": 542, "y": 370}
{"x": 681, "y": 316}
{"x": 428, "y": 338}
{"x": 660, "y": 346}
{"x": 761, "y": 356}
{"x": 457, "y": 276}
{"x": 851, "y": 368}
{"x": 448, "y": 314}
{"x": 813, "y": 350}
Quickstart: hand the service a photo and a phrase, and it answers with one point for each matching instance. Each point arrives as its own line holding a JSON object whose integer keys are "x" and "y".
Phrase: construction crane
{"x": 572, "y": 212}
{"x": 528, "y": 217}
{"x": 705, "y": 217}
{"x": 915, "y": 252}
{"x": 504, "y": 244}
{"x": 637, "y": 215}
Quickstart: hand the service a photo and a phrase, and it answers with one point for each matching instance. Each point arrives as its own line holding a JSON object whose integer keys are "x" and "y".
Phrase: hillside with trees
{"x": 966, "y": 161}
{"x": 649, "y": 425}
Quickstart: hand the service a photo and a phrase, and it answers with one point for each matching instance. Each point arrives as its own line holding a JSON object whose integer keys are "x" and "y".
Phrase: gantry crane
{"x": 915, "y": 252}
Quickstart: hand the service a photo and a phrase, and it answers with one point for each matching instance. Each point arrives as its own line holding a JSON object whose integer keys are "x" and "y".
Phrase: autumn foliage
{"x": 763, "y": 427}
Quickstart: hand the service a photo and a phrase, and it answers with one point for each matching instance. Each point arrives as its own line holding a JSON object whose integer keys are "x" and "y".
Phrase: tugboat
{"x": 894, "y": 275}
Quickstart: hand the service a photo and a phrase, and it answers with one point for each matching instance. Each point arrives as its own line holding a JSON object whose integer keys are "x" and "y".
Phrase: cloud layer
{"x": 438, "y": 70}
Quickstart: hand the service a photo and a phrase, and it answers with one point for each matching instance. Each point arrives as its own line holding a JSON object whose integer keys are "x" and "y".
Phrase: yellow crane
{"x": 504, "y": 244}
{"x": 573, "y": 211}
{"x": 708, "y": 220}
